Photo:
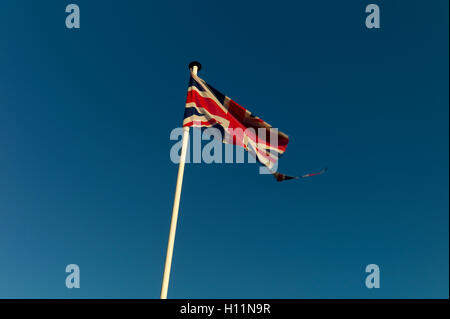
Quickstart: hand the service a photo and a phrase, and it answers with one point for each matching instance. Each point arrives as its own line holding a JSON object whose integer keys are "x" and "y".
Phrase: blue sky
{"x": 86, "y": 177}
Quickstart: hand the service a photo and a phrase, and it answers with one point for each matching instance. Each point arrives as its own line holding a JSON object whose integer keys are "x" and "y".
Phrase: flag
{"x": 207, "y": 107}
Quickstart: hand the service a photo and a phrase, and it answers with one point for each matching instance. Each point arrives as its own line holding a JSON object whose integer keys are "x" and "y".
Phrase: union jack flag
{"x": 207, "y": 107}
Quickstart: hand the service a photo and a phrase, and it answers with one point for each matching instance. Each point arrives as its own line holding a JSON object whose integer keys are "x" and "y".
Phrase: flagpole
{"x": 194, "y": 67}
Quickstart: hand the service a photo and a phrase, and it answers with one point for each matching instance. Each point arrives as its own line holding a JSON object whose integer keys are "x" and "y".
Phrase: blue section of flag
{"x": 193, "y": 82}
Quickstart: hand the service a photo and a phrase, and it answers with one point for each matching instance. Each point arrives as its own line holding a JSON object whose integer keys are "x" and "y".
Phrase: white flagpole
{"x": 194, "y": 66}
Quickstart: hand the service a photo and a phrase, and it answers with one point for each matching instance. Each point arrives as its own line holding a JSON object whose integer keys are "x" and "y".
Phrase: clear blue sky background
{"x": 86, "y": 178}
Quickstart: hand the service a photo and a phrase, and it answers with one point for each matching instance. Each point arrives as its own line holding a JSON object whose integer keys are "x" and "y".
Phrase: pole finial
{"x": 195, "y": 63}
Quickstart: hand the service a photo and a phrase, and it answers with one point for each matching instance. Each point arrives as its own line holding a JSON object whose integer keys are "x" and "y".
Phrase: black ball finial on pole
{"x": 195, "y": 63}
